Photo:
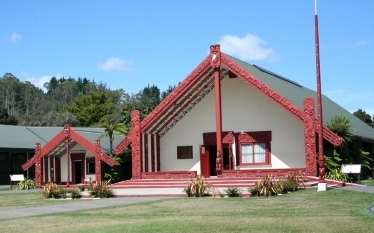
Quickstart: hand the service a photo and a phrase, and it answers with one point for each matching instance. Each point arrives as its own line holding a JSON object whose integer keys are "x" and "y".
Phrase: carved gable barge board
{"x": 274, "y": 96}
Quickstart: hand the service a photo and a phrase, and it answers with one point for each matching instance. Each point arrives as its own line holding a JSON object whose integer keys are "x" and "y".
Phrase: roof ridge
{"x": 35, "y": 134}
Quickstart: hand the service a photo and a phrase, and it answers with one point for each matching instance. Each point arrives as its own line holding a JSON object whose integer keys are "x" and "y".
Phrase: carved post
{"x": 215, "y": 63}
{"x": 67, "y": 137}
{"x": 136, "y": 145}
{"x": 97, "y": 160}
{"x": 38, "y": 168}
{"x": 310, "y": 136}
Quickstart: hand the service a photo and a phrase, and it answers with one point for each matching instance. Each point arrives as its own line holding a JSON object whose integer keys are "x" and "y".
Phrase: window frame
{"x": 252, "y": 138}
{"x": 90, "y": 161}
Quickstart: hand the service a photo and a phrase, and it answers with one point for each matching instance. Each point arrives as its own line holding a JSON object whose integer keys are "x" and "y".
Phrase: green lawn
{"x": 368, "y": 182}
{"x": 302, "y": 211}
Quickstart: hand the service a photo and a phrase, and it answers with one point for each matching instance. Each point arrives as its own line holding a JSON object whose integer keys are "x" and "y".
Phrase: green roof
{"x": 296, "y": 93}
{"x": 25, "y": 137}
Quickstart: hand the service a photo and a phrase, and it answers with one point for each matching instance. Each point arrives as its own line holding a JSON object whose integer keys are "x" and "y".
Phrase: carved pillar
{"x": 38, "y": 168}
{"x": 215, "y": 63}
{"x": 136, "y": 145}
{"x": 67, "y": 137}
{"x": 310, "y": 137}
{"x": 153, "y": 154}
{"x": 146, "y": 152}
{"x": 158, "y": 152}
{"x": 97, "y": 160}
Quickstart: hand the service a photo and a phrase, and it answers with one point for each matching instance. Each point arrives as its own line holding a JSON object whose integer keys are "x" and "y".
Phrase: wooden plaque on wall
{"x": 184, "y": 152}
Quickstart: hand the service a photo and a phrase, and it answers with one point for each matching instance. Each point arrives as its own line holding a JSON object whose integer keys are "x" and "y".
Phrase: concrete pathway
{"x": 73, "y": 206}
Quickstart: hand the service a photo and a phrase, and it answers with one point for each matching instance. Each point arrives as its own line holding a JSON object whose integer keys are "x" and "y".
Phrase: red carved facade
{"x": 158, "y": 152}
{"x": 277, "y": 173}
{"x": 153, "y": 157}
{"x": 310, "y": 137}
{"x": 97, "y": 160}
{"x": 136, "y": 145}
{"x": 169, "y": 175}
{"x": 63, "y": 137}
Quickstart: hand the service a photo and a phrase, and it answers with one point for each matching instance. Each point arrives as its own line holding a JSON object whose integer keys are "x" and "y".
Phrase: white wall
{"x": 243, "y": 109}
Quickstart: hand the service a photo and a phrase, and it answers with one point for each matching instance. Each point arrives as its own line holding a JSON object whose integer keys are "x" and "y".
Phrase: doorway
{"x": 77, "y": 172}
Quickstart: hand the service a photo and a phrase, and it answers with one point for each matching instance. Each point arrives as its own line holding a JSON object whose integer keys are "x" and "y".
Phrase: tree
{"x": 363, "y": 116}
{"x": 90, "y": 109}
{"x": 5, "y": 118}
{"x": 350, "y": 152}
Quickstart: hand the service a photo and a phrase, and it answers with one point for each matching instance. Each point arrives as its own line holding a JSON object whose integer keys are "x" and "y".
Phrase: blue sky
{"x": 130, "y": 44}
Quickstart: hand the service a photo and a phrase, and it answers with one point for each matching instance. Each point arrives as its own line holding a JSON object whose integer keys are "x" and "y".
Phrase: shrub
{"x": 52, "y": 190}
{"x": 266, "y": 186}
{"x": 75, "y": 193}
{"x": 101, "y": 189}
{"x": 198, "y": 187}
{"x": 337, "y": 174}
{"x": 291, "y": 182}
{"x": 233, "y": 192}
{"x": 26, "y": 184}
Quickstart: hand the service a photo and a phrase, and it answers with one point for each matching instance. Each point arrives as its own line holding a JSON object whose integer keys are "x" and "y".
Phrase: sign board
{"x": 351, "y": 168}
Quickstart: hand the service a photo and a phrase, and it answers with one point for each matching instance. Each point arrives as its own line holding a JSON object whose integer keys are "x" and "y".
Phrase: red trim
{"x": 310, "y": 137}
{"x": 153, "y": 162}
{"x": 261, "y": 172}
{"x": 146, "y": 152}
{"x": 136, "y": 145}
{"x": 211, "y": 139}
{"x": 251, "y": 138}
{"x": 169, "y": 175}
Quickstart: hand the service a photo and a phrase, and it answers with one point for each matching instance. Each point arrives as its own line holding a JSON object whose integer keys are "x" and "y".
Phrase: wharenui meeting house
{"x": 227, "y": 118}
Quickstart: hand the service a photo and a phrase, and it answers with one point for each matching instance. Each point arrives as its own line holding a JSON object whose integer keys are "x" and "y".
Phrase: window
{"x": 254, "y": 148}
{"x": 90, "y": 165}
{"x": 253, "y": 153}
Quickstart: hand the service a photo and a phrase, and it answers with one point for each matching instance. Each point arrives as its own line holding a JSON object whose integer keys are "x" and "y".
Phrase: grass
{"x": 303, "y": 211}
{"x": 20, "y": 200}
{"x": 368, "y": 182}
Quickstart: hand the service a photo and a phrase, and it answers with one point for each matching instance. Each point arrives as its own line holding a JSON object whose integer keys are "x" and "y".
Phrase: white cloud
{"x": 14, "y": 38}
{"x": 361, "y": 43}
{"x": 115, "y": 63}
{"x": 247, "y": 48}
{"x": 39, "y": 81}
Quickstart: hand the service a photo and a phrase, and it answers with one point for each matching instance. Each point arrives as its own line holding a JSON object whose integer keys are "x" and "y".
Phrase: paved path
{"x": 73, "y": 206}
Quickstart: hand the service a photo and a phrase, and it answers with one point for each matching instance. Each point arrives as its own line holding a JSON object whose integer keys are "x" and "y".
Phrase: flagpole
{"x": 321, "y": 158}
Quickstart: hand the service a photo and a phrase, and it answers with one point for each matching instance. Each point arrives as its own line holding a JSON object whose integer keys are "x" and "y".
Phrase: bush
{"x": 266, "y": 186}
{"x": 337, "y": 174}
{"x": 101, "y": 189}
{"x": 26, "y": 184}
{"x": 199, "y": 187}
{"x": 52, "y": 190}
{"x": 233, "y": 192}
{"x": 291, "y": 182}
{"x": 75, "y": 193}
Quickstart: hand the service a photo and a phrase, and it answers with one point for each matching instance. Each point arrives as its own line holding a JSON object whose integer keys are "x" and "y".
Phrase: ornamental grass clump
{"x": 199, "y": 187}
{"x": 233, "y": 192}
{"x": 26, "y": 184}
{"x": 52, "y": 190}
{"x": 291, "y": 182}
{"x": 101, "y": 189}
{"x": 267, "y": 186}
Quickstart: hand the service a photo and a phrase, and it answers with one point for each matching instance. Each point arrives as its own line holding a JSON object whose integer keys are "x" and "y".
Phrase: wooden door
{"x": 204, "y": 161}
